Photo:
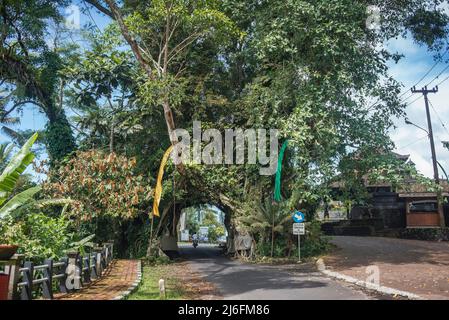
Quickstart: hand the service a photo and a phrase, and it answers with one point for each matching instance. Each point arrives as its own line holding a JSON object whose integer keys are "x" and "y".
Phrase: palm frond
{"x": 13, "y": 135}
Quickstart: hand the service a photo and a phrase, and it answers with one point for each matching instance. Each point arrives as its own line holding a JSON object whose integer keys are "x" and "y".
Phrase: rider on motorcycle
{"x": 195, "y": 240}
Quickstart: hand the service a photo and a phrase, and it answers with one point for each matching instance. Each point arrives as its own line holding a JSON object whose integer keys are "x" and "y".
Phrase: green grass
{"x": 149, "y": 288}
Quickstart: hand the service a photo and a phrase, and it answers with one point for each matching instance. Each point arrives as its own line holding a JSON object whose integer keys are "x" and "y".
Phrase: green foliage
{"x": 29, "y": 67}
{"x": 101, "y": 184}
{"x": 265, "y": 216}
{"x": 215, "y": 232}
{"x": 15, "y": 168}
{"x": 10, "y": 177}
{"x": 310, "y": 68}
{"x": 59, "y": 140}
{"x": 39, "y": 236}
{"x": 18, "y": 201}
{"x": 315, "y": 243}
{"x": 80, "y": 245}
{"x": 192, "y": 221}
{"x": 215, "y": 229}
{"x": 5, "y": 152}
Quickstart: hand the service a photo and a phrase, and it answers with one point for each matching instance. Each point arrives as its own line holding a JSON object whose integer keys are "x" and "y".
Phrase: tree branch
{"x": 15, "y": 106}
{"x": 100, "y": 8}
{"x": 128, "y": 37}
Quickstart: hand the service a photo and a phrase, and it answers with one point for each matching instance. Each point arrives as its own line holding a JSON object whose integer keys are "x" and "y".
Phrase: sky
{"x": 408, "y": 139}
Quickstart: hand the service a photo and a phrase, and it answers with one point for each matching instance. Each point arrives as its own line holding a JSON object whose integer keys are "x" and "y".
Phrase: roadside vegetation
{"x": 112, "y": 99}
{"x": 181, "y": 283}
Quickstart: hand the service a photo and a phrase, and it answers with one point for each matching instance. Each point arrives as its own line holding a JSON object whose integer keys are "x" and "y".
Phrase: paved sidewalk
{"x": 420, "y": 267}
{"x": 117, "y": 279}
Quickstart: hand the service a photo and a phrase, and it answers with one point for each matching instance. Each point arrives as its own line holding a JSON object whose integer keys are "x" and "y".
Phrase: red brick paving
{"x": 419, "y": 267}
{"x": 117, "y": 279}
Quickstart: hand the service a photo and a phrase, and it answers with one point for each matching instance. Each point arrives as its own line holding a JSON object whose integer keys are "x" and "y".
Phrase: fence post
{"x": 86, "y": 269}
{"x": 47, "y": 286}
{"x": 111, "y": 249}
{"x": 99, "y": 265}
{"x": 27, "y": 289}
{"x": 79, "y": 264}
{"x": 106, "y": 255}
{"x": 62, "y": 281}
{"x": 93, "y": 266}
{"x": 14, "y": 275}
{"x": 73, "y": 281}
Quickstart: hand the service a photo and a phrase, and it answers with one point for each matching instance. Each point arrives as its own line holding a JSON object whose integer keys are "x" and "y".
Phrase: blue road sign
{"x": 298, "y": 217}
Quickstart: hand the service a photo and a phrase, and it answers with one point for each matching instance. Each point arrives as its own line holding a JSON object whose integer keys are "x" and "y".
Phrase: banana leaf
{"x": 18, "y": 201}
{"x": 15, "y": 168}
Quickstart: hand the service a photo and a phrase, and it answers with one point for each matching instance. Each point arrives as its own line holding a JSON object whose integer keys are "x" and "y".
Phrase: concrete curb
{"x": 124, "y": 295}
{"x": 367, "y": 285}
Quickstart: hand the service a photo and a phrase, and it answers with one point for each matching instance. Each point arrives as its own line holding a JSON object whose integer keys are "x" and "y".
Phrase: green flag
{"x": 277, "y": 186}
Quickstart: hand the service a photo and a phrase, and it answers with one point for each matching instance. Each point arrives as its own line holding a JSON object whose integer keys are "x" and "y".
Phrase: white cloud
{"x": 409, "y": 139}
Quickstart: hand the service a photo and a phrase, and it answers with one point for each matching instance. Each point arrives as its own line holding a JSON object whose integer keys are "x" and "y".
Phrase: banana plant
{"x": 15, "y": 167}
{"x": 80, "y": 246}
{"x": 10, "y": 176}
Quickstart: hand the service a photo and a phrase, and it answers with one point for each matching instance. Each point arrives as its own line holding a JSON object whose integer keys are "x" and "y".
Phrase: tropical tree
{"x": 102, "y": 91}
{"x": 160, "y": 34}
{"x": 312, "y": 69}
{"x": 29, "y": 68}
{"x": 265, "y": 219}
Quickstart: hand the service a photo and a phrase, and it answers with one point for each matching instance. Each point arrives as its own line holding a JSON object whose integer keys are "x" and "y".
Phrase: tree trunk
{"x": 111, "y": 136}
{"x": 272, "y": 237}
{"x": 168, "y": 114}
{"x": 58, "y": 137}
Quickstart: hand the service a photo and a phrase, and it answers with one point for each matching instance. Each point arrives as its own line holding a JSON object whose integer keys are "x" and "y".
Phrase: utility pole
{"x": 426, "y": 91}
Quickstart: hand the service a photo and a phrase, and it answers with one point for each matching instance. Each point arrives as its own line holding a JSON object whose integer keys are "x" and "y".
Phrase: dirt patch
{"x": 196, "y": 288}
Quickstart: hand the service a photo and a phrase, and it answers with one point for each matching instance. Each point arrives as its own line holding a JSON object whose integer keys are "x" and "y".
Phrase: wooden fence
{"x": 28, "y": 281}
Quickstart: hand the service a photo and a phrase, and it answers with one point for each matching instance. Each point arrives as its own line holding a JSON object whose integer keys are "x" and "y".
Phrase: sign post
{"x": 299, "y": 229}
{"x": 299, "y": 247}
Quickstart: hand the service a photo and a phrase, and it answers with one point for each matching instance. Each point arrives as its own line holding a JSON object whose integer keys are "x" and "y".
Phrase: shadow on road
{"x": 239, "y": 280}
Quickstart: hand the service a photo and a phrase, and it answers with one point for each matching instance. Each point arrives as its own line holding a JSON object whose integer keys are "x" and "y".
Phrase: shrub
{"x": 315, "y": 243}
{"x": 102, "y": 184}
{"x": 39, "y": 236}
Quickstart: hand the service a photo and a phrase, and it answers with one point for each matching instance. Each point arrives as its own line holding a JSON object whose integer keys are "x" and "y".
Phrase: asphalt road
{"x": 241, "y": 281}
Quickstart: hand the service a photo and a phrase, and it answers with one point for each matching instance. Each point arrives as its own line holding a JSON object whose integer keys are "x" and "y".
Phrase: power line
{"x": 421, "y": 79}
{"x": 410, "y": 144}
{"x": 447, "y": 67}
{"x": 433, "y": 67}
{"x": 439, "y": 83}
{"x": 445, "y": 79}
{"x": 414, "y": 100}
{"x": 439, "y": 118}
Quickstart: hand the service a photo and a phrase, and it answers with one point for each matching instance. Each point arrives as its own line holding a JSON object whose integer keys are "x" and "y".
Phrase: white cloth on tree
{"x": 243, "y": 242}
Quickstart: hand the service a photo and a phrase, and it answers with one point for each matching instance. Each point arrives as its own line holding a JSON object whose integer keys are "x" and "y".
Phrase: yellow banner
{"x": 158, "y": 189}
